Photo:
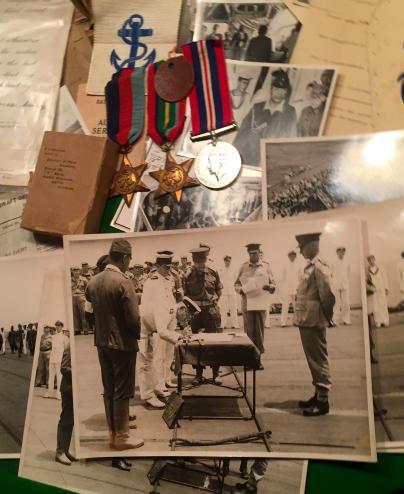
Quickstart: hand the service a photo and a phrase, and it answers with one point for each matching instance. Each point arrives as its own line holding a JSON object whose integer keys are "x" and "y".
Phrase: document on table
{"x": 140, "y": 32}
{"x": 14, "y": 240}
{"x": 33, "y": 36}
{"x": 336, "y": 33}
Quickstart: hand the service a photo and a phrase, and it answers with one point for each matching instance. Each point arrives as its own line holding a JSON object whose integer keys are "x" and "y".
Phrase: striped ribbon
{"x": 165, "y": 120}
{"x": 210, "y": 96}
{"x": 125, "y": 102}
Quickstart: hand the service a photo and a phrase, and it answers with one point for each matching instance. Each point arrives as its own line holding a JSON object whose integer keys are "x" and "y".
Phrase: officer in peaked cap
{"x": 313, "y": 314}
{"x": 203, "y": 286}
{"x": 158, "y": 315}
{"x": 254, "y": 320}
{"x": 117, "y": 329}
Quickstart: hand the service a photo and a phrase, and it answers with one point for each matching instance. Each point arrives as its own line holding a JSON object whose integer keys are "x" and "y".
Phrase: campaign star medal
{"x": 219, "y": 163}
{"x": 127, "y": 180}
{"x": 125, "y": 102}
{"x": 173, "y": 178}
{"x": 165, "y": 122}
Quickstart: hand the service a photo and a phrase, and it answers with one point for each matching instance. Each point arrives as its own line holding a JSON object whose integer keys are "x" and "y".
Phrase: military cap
{"x": 103, "y": 261}
{"x": 148, "y": 263}
{"x": 164, "y": 257}
{"x": 122, "y": 246}
{"x": 340, "y": 249}
{"x": 280, "y": 79}
{"x": 84, "y": 263}
{"x": 305, "y": 238}
{"x": 199, "y": 252}
{"x": 138, "y": 266}
{"x": 243, "y": 78}
{"x": 76, "y": 268}
{"x": 59, "y": 323}
{"x": 206, "y": 246}
{"x": 226, "y": 257}
{"x": 253, "y": 247}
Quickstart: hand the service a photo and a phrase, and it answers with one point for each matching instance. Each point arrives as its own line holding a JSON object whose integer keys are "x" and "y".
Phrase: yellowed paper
{"x": 386, "y": 59}
{"x": 336, "y": 33}
{"x": 114, "y": 31}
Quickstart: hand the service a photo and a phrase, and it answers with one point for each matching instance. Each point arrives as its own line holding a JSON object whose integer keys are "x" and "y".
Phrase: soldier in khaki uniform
{"x": 313, "y": 314}
{"x": 203, "y": 286}
{"x": 79, "y": 285}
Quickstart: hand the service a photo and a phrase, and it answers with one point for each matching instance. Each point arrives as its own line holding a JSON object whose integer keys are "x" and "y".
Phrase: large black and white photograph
{"x": 190, "y": 341}
{"x": 384, "y": 267}
{"x": 48, "y": 454}
{"x": 22, "y": 279}
{"x": 251, "y": 31}
{"x": 273, "y": 101}
{"x": 201, "y": 207}
{"x": 318, "y": 174}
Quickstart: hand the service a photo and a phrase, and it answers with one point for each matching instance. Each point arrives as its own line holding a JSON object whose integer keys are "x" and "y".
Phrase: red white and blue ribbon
{"x": 210, "y": 96}
{"x": 125, "y": 103}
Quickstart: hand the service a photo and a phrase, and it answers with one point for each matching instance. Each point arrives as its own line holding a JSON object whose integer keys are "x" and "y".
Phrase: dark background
{"x": 385, "y": 477}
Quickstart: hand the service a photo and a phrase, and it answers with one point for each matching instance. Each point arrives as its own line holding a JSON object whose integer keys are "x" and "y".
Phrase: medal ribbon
{"x": 210, "y": 96}
{"x": 125, "y": 102}
{"x": 165, "y": 120}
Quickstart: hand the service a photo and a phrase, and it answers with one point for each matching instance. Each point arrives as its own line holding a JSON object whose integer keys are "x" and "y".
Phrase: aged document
{"x": 139, "y": 32}
{"x": 14, "y": 240}
{"x": 33, "y": 35}
{"x": 336, "y": 33}
{"x": 386, "y": 60}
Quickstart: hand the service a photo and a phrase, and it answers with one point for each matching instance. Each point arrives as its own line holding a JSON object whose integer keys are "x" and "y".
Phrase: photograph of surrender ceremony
{"x": 181, "y": 344}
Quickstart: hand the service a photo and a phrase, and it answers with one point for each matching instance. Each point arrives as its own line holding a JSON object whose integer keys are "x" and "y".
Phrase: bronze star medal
{"x": 127, "y": 180}
{"x": 173, "y": 178}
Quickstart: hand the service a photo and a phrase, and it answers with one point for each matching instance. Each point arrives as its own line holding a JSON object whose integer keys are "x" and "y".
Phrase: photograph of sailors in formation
{"x": 250, "y": 31}
{"x": 311, "y": 175}
{"x": 293, "y": 306}
{"x": 20, "y": 294}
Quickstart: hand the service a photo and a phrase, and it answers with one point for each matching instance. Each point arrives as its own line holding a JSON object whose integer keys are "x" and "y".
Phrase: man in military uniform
{"x": 86, "y": 272}
{"x": 253, "y": 277}
{"x": 117, "y": 329}
{"x": 203, "y": 286}
{"x": 289, "y": 284}
{"x": 340, "y": 285}
{"x": 79, "y": 285}
{"x": 158, "y": 336}
{"x": 313, "y": 314}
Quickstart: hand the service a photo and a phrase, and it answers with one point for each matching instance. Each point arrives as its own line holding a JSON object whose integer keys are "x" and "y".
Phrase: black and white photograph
{"x": 317, "y": 174}
{"x": 384, "y": 267}
{"x": 273, "y": 101}
{"x": 22, "y": 279}
{"x": 190, "y": 343}
{"x": 201, "y": 207}
{"x": 186, "y": 25}
{"x": 48, "y": 453}
{"x": 251, "y": 31}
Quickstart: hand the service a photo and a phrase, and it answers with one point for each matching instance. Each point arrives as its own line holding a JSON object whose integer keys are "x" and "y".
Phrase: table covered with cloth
{"x": 217, "y": 349}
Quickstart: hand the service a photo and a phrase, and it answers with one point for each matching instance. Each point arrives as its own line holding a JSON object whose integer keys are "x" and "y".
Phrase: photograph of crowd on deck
{"x": 200, "y": 315}
{"x": 48, "y": 453}
{"x": 251, "y": 31}
{"x": 23, "y": 279}
{"x": 318, "y": 174}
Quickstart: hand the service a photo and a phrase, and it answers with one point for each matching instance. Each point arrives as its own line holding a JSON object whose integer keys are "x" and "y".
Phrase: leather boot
{"x": 109, "y": 406}
{"x": 123, "y": 438}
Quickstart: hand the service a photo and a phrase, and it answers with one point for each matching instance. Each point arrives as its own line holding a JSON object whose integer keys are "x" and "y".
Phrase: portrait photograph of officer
{"x": 203, "y": 298}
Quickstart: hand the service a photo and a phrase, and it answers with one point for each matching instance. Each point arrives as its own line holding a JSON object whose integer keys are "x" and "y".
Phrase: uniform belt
{"x": 204, "y": 303}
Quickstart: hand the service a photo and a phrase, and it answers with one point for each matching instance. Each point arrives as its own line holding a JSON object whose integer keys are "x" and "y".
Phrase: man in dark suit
{"x": 117, "y": 330}
{"x": 260, "y": 47}
{"x": 272, "y": 118}
{"x": 313, "y": 314}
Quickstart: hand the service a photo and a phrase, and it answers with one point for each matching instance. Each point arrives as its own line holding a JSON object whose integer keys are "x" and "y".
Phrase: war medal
{"x": 219, "y": 163}
{"x": 125, "y": 102}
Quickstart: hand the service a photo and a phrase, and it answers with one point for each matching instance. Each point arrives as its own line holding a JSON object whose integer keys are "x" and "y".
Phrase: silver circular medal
{"x": 217, "y": 165}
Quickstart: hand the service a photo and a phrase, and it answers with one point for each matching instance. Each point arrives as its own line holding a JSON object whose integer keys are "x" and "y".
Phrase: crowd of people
{"x": 19, "y": 340}
{"x": 309, "y": 194}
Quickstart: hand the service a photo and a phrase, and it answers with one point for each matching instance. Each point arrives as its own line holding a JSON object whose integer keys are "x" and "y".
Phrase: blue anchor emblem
{"x": 131, "y": 32}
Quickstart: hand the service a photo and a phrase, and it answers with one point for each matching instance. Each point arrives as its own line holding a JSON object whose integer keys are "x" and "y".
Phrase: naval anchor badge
{"x": 131, "y": 32}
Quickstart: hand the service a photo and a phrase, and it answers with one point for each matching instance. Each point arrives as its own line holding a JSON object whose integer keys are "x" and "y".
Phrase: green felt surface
{"x": 385, "y": 477}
